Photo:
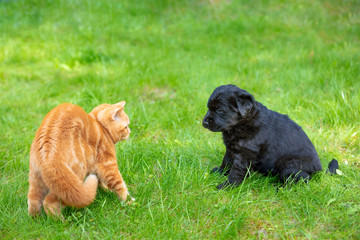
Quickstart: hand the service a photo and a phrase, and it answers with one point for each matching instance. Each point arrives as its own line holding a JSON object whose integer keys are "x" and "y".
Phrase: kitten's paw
{"x": 130, "y": 200}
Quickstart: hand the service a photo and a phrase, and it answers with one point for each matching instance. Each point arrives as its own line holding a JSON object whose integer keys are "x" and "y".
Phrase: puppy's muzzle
{"x": 205, "y": 123}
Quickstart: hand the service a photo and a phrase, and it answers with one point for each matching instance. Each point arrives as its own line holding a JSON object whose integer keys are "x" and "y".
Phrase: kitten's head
{"x": 113, "y": 118}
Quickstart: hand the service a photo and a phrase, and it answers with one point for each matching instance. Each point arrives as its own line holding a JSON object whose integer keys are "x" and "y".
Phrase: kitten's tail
{"x": 69, "y": 188}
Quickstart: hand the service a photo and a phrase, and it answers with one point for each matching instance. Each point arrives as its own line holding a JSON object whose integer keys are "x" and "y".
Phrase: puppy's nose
{"x": 205, "y": 123}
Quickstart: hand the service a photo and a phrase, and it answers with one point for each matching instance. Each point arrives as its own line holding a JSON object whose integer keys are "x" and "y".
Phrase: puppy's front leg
{"x": 237, "y": 172}
{"x": 225, "y": 166}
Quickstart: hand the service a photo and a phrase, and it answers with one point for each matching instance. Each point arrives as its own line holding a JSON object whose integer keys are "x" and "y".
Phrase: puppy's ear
{"x": 244, "y": 103}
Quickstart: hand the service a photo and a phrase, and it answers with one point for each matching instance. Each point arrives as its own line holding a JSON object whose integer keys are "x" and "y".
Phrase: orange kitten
{"x": 70, "y": 145}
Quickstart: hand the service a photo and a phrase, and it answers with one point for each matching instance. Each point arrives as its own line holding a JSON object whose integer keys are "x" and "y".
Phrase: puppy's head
{"x": 227, "y": 106}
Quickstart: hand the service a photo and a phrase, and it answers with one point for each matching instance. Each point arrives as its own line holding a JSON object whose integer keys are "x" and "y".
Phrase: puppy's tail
{"x": 333, "y": 165}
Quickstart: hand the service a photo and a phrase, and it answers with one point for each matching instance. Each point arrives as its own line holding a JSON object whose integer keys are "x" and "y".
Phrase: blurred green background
{"x": 165, "y": 57}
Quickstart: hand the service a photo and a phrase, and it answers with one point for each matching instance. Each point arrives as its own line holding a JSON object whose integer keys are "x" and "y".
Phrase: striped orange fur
{"x": 70, "y": 146}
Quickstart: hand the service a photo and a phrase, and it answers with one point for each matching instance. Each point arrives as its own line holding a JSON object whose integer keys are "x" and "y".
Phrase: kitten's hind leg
{"x": 53, "y": 206}
{"x": 110, "y": 176}
{"x": 37, "y": 192}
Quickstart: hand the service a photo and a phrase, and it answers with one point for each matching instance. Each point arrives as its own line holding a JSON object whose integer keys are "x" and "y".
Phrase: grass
{"x": 164, "y": 58}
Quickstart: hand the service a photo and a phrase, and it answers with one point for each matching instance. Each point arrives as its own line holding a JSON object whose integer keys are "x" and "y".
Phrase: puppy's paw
{"x": 228, "y": 185}
{"x": 218, "y": 170}
{"x": 221, "y": 171}
{"x": 223, "y": 185}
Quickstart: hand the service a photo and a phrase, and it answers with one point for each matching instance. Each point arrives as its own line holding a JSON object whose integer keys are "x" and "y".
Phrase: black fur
{"x": 257, "y": 137}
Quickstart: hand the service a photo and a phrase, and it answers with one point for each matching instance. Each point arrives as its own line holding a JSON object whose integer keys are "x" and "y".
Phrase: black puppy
{"x": 257, "y": 137}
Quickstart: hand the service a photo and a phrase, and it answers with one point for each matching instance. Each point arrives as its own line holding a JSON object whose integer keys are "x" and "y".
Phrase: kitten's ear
{"x": 118, "y": 107}
{"x": 120, "y": 104}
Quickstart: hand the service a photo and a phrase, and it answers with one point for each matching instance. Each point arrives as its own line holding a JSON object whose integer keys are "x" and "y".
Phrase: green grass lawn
{"x": 165, "y": 57}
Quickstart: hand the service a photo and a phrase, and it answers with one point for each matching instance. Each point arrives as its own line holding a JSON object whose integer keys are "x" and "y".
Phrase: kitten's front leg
{"x": 103, "y": 185}
{"x": 110, "y": 176}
